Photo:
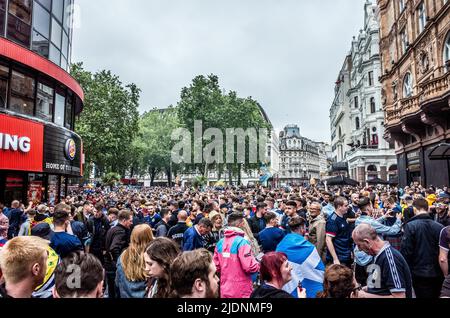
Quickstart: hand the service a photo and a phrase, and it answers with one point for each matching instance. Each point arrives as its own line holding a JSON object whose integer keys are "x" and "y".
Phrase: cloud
{"x": 284, "y": 53}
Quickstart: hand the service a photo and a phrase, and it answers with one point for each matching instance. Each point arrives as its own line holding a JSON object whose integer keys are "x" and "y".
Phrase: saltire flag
{"x": 307, "y": 265}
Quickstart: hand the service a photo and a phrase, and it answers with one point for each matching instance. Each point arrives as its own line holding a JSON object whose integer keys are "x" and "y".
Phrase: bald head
{"x": 182, "y": 216}
{"x": 15, "y": 204}
{"x": 365, "y": 232}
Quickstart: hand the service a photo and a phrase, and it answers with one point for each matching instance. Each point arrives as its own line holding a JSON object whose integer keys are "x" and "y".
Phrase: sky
{"x": 286, "y": 54}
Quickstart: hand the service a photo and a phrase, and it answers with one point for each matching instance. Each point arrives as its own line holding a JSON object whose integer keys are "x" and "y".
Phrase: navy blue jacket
{"x": 192, "y": 240}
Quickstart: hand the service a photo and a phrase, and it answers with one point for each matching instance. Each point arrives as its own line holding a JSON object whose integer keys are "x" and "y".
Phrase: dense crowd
{"x": 292, "y": 242}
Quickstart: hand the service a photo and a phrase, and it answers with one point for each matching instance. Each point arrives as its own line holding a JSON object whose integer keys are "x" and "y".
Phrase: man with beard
{"x": 23, "y": 262}
{"x": 193, "y": 275}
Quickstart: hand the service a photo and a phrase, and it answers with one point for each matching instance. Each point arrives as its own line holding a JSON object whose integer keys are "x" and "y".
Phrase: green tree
{"x": 109, "y": 121}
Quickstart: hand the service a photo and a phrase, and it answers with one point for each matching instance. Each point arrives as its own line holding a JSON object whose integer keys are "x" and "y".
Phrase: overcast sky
{"x": 286, "y": 54}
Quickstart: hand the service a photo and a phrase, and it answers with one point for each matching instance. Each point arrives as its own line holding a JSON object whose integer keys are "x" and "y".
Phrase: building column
{"x": 361, "y": 175}
{"x": 383, "y": 173}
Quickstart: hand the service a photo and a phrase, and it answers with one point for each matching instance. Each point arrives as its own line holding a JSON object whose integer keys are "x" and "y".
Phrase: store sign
{"x": 21, "y": 144}
{"x": 62, "y": 154}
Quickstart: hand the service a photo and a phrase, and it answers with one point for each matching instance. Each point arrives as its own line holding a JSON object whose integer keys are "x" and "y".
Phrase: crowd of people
{"x": 290, "y": 242}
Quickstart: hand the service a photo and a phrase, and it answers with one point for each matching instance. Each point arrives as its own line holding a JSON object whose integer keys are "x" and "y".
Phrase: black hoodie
{"x": 266, "y": 291}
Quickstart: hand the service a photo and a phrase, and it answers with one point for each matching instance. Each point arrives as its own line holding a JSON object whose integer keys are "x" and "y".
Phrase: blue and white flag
{"x": 307, "y": 265}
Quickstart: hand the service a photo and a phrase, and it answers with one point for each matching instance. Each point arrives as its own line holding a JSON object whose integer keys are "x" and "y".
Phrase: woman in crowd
{"x": 338, "y": 283}
{"x": 131, "y": 277}
{"x": 158, "y": 257}
{"x": 275, "y": 272}
{"x": 216, "y": 234}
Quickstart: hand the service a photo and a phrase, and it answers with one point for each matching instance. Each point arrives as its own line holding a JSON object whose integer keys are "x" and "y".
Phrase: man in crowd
{"x": 193, "y": 275}
{"x": 444, "y": 244}
{"x": 327, "y": 204}
{"x": 117, "y": 240}
{"x": 98, "y": 226}
{"x": 176, "y": 233}
{"x": 289, "y": 213}
{"x": 162, "y": 228}
{"x": 174, "y": 209}
{"x": 90, "y": 282}
{"x": 63, "y": 241}
{"x": 235, "y": 260}
{"x": 150, "y": 216}
{"x": 269, "y": 238}
{"x": 317, "y": 229}
{"x": 338, "y": 234}
{"x": 193, "y": 238}
{"x": 113, "y": 217}
{"x": 15, "y": 219}
{"x": 389, "y": 277}
{"x": 258, "y": 223}
{"x": 4, "y": 224}
{"x": 420, "y": 248}
{"x": 23, "y": 263}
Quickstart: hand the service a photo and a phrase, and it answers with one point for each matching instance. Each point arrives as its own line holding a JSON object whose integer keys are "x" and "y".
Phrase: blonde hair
{"x": 249, "y": 234}
{"x": 132, "y": 259}
{"x": 19, "y": 255}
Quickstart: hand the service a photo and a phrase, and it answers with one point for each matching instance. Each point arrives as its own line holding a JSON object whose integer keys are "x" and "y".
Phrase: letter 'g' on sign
{"x": 15, "y": 143}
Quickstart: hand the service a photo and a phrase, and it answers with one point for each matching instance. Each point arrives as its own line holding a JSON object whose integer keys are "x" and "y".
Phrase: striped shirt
{"x": 389, "y": 273}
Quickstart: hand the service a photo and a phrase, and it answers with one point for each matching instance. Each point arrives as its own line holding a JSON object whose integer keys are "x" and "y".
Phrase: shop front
{"x": 38, "y": 160}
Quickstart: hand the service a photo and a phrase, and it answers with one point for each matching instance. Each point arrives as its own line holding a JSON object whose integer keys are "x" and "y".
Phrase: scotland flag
{"x": 307, "y": 265}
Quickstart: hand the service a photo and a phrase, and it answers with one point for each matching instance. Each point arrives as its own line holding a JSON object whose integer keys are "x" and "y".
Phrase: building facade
{"x": 415, "y": 55}
{"x": 39, "y": 151}
{"x": 325, "y": 158}
{"x": 370, "y": 156}
{"x": 299, "y": 157}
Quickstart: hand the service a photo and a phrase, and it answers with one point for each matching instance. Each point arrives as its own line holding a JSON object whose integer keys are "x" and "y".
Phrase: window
{"x": 59, "y": 109}
{"x": 373, "y": 107}
{"x": 447, "y": 49}
{"x": 356, "y": 102}
{"x": 46, "y": 3}
{"x": 422, "y": 16}
{"x": 55, "y": 55}
{"x": 21, "y": 9}
{"x": 56, "y": 34}
{"x": 69, "y": 112}
{"x": 67, "y": 15}
{"x": 358, "y": 124}
{"x": 371, "y": 78}
{"x": 22, "y": 93}
{"x": 404, "y": 39}
{"x": 401, "y": 5}
{"x": 407, "y": 86}
{"x": 4, "y": 75}
{"x": 44, "y": 102}
{"x": 41, "y": 20}
{"x": 18, "y": 31}
{"x": 40, "y": 45}
{"x": 2, "y": 17}
{"x": 57, "y": 9}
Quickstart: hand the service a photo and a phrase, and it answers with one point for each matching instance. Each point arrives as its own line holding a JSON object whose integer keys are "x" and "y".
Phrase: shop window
{"x": 14, "y": 187}
{"x": 59, "y": 109}
{"x": 44, "y": 102}
{"x": 4, "y": 74}
{"x": 35, "y": 188}
{"x": 52, "y": 193}
{"x": 41, "y": 20}
{"x": 22, "y": 93}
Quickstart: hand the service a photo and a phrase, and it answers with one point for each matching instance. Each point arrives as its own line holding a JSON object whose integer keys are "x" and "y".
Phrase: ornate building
{"x": 415, "y": 55}
{"x": 370, "y": 156}
{"x": 299, "y": 157}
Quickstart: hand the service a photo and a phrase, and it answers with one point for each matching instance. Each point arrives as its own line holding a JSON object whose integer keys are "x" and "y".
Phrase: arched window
{"x": 447, "y": 49}
{"x": 373, "y": 107}
{"x": 407, "y": 85}
{"x": 372, "y": 172}
{"x": 358, "y": 124}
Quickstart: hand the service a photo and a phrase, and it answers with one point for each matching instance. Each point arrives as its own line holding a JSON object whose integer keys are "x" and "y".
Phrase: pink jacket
{"x": 236, "y": 263}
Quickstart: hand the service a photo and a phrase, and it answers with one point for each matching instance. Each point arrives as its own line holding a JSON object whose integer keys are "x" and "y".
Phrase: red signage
{"x": 21, "y": 144}
{"x": 35, "y": 192}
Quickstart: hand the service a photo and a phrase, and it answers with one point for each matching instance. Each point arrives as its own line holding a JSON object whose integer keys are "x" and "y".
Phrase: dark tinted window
{"x": 21, "y": 9}
{"x": 2, "y": 17}
{"x": 3, "y": 4}
{"x": 41, "y": 20}
{"x": 4, "y": 74}
{"x": 44, "y": 102}
{"x": 40, "y": 45}
{"x": 18, "y": 31}
{"x": 69, "y": 111}
{"x": 22, "y": 93}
